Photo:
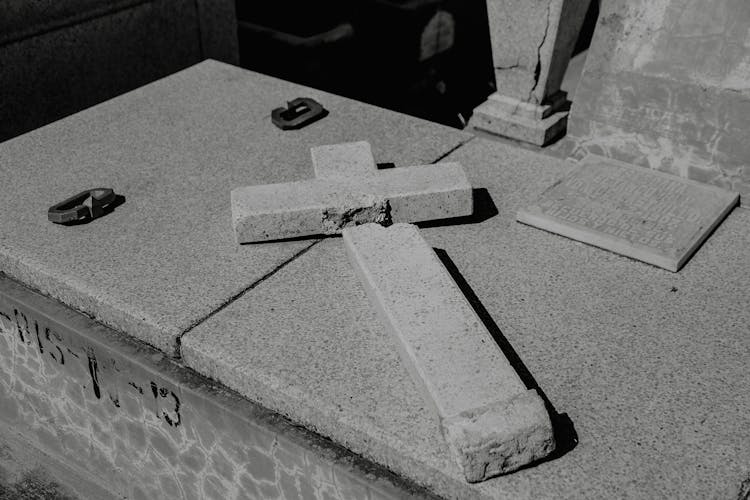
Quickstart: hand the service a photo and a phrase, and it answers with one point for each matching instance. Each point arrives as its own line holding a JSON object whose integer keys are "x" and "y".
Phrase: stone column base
{"x": 523, "y": 121}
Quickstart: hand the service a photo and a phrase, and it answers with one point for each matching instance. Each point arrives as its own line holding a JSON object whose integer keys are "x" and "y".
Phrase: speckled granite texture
{"x": 649, "y": 366}
{"x": 491, "y": 421}
{"x": 353, "y": 159}
{"x": 166, "y": 258}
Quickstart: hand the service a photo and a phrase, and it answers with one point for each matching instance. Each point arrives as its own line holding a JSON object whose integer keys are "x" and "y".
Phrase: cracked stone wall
{"x": 532, "y": 41}
{"x": 667, "y": 86}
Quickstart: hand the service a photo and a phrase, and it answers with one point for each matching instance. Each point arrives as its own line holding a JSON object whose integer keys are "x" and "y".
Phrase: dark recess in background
{"x": 428, "y": 58}
{"x": 587, "y": 30}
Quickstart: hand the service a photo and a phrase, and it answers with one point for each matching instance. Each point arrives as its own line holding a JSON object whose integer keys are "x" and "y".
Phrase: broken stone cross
{"x": 491, "y": 421}
{"x": 349, "y": 190}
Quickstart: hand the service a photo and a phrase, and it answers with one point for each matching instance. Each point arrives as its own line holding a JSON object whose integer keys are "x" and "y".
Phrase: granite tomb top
{"x": 646, "y": 370}
{"x": 167, "y": 258}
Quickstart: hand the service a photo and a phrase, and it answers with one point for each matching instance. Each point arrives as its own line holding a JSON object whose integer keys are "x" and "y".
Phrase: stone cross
{"x": 349, "y": 190}
{"x": 491, "y": 421}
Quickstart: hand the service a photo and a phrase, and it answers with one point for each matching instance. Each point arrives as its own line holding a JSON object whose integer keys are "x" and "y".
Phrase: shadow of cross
{"x": 349, "y": 190}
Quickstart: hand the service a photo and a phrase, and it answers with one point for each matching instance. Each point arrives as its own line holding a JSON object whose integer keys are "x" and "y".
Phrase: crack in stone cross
{"x": 349, "y": 190}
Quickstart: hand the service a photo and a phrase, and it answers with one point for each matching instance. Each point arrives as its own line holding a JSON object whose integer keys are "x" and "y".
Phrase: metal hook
{"x": 84, "y": 206}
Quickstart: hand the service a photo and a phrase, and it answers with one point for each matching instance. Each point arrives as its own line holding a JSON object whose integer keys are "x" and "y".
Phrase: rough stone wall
{"x": 151, "y": 433}
{"x": 667, "y": 86}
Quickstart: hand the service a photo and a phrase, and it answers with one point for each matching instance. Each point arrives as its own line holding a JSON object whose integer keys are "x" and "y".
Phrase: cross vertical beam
{"x": 491, "y": 421}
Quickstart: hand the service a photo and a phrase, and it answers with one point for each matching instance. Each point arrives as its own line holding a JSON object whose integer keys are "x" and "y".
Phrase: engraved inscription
{"x": 650, "y": 216}
{"x": 149, "y": 435}
{"x": 30, "y": 332}
{"x": 646, "y": 210}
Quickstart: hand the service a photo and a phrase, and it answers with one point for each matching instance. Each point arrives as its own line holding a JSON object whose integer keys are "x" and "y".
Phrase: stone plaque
{"x": 647, "y": 215}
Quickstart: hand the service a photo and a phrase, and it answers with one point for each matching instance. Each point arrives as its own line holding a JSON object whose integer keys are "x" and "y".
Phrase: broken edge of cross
{"x": 349, "y": 190}
{"x": 488, "y": 435}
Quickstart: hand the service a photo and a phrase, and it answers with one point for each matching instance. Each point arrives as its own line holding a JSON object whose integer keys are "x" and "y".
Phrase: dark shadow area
{"x": 383, "y": 166}
{"x": 296, "y": 238}
{"x": 484, "y": 208}
{"x": 587, "y": 29}
{"x": 35, "y": 483}
{"x": 427, "y": 58}
{"x": 564, "y": 430}
{"x": 119, "y": 200}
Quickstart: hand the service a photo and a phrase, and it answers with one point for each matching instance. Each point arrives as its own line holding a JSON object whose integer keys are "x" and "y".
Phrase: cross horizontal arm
{"x": 326, "y": 206}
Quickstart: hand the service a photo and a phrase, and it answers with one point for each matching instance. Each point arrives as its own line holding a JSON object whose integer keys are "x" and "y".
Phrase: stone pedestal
{"x": 667, "y": 86}
{"x": 520, "y": 120}
{"x": 532, "y": 42}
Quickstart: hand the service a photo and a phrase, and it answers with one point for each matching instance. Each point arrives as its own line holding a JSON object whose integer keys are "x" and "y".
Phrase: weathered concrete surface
{"x": 108, "y": 417}
{"x": 491, "y": 421}
{"x": 650, "y": 366}
{"x": 167, "y": 257}
{"x": 327, "y": 205}
{"x": 649, "y": 216}
{"x": 667, "y": 86}
{"x": 352, "y": 159}
{"x": 532, "y": 41}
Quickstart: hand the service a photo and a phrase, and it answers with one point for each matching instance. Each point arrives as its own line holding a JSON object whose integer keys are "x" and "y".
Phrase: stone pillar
{"x": 532, "y": 41}
{"x": 666, "y": 85}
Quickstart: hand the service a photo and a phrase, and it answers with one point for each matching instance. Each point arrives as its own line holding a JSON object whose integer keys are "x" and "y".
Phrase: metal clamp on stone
{"x": 299, "y": 112}
{"x": 349, "y": 190}
{"x": 82, "y": 207}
